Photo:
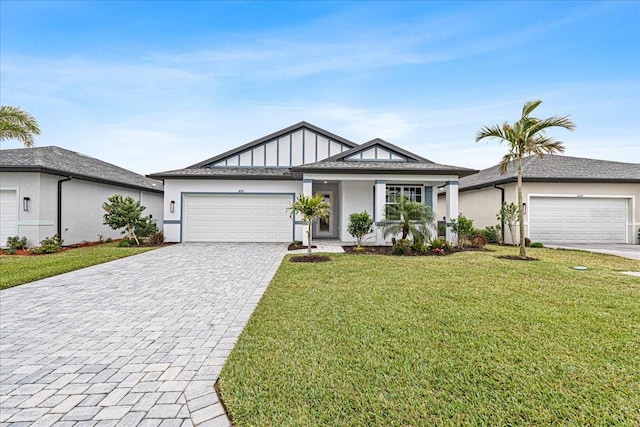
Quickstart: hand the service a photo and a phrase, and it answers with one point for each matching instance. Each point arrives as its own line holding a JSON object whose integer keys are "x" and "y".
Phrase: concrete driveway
{"x": 625, "y": 251}
{"x": 137, "y": 341}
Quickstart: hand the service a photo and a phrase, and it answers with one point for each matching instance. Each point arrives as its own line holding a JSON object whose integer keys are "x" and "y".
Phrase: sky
{"x": 153, "y": 86}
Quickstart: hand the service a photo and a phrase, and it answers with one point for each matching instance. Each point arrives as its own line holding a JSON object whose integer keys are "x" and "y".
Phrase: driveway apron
{"x": 137, "y": 341}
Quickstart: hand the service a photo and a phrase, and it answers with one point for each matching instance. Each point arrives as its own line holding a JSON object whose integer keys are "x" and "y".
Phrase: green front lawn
{"x": 16, "y": 270}
{"x": 466, "y": 339}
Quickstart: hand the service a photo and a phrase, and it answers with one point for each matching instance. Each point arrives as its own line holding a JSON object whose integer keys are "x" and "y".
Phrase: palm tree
{"x": 526, "y": 137}
{"x": 408, "y": 218}
{"x": 311, "y": 208}
{"x": 17, "y": 124}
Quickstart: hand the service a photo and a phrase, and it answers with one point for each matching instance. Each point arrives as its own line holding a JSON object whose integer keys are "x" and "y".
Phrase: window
{"x": 413, "y": 193}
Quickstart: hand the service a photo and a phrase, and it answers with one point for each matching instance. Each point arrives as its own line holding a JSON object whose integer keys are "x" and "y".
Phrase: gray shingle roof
{"x": 227, "y": 173}
{"x": 556, "y": 168}
{"x": 415, "y": 164}
{"x": 63, "y": 162}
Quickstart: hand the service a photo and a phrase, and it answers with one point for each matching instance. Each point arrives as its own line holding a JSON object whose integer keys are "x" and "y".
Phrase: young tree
{"x": 463, "y": 227}
{"x": 360, "y": 224}
{"x": 311, "y": 208}
{"x": 125, "y": 212}
{"x": 17, "y": 124}
{"x": 509, "y": 215}
{"x": 525, "y": 137}
{"x": 409, "y": 218}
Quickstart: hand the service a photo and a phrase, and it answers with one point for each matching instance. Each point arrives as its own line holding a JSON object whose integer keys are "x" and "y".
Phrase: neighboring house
{"x": 242, "y": 195}
{"x": 567, "y": 199}
{"x": 49, "y": 190}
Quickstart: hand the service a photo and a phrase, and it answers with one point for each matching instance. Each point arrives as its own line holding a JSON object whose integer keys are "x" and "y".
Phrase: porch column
{"x": 379, "y": 204}
{"x": 307, "y": 190}
{"x": 451, "y": 190}
{"x": 434, "y": 209}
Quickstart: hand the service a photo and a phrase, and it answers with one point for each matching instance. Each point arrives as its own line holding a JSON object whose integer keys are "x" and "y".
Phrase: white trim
{"x": 437, "y": 180}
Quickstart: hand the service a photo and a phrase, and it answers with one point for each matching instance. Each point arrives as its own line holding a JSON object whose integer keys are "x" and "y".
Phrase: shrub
{"x": 463, "y": 227}
{"x": 436, "y": 244}
{"x": 155, "y": 239}
{"x": 536, "y": 245}
{"x": 360, "y": 224}
{"x": 401, "y": 247}
{"x": 358, "y": 249}
{"x": 124, "y": 243}
{"x": 146, "y": 227}
{"x": 49, "y": 245}
{"x": 419, "y": 246}
{"x": 492, "y": 233}
{"x": 16, "y": 242}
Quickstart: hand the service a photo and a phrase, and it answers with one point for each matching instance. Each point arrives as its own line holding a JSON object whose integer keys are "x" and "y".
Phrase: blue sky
{"x": 154, "y": 86}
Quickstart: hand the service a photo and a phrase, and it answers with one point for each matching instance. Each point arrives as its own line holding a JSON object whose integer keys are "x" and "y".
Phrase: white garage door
{"x": 577, "y": 220}
{"x": 237, "y": 218}
{"x": 8, "y": 215}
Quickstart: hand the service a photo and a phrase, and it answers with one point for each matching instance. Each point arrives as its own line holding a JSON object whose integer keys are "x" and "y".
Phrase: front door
{"x": 326, "y": 228}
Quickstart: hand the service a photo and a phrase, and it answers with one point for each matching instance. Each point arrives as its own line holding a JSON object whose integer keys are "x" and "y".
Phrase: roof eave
{"x": 82, "y": 177}
{"x": 510, "y": 180}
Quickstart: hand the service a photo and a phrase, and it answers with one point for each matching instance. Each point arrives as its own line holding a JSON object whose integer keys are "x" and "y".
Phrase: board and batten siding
{"x": 293, "y": 149}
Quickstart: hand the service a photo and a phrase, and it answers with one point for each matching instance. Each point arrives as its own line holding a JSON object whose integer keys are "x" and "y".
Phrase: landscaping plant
{"x": 408, "y": 219}
{"x": 16, "y": 243}
{"x": 125, "y": 212}
{"x": 17, "y": 124}
{"x": 310, "y": 208}
{"x": 525, "y": 137}
{"x": 360, "y": 224}
{"x": 463, "y": 227}
{"x": 508, "y": 215}
{"x": 49, "y": 245}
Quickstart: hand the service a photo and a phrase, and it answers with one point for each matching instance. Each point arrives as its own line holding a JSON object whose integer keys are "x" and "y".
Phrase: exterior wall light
{"x": 26, "y": 201}
{"x": 524, "y": 209}
{"x": 172, "y": 206}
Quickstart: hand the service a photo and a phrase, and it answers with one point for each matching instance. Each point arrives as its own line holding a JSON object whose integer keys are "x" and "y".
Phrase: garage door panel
{"x": 237, "y": 218}
{"x": 578, "y": 220}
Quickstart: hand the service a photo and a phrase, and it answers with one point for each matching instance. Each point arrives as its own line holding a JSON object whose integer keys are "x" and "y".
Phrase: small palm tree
{"x": 17, "y": 124}
{"x": 409, "y": 218}
{"x": 311, "y": 208}
{"x": 526, "y": 137}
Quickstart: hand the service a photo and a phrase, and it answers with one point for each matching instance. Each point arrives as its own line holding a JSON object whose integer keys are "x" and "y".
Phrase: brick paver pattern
{"x": 137, "y": 341}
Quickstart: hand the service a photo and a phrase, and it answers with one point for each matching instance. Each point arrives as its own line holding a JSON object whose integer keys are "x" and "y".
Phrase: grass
{"x": 467, "y": 339}
{"x": 17, "y": 270}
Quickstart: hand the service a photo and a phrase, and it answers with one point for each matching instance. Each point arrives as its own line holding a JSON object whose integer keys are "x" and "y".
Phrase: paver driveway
{"x": 137, "y": 341}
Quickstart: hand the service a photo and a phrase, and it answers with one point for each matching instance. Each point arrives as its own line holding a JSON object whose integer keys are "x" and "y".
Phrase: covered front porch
{"x": 352, "y": 193}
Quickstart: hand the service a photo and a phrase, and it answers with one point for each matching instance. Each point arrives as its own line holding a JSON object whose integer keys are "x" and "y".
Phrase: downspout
{"x": 501, "y": 204}
{"x": 60, "y": 205}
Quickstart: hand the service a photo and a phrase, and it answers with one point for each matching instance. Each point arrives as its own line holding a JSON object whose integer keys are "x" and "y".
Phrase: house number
{"x": 580, "y": 195}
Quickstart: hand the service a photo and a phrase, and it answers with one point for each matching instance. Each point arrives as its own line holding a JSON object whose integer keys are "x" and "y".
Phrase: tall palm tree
{"x": 311, "y": 208}
{"x": 526, "y": 137}
{"x": 408, "y": 218}
{"x": 17, "y": 124}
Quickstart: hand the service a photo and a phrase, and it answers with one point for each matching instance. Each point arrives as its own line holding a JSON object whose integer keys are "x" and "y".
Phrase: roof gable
{"x": 292, "y": 146}
{"x": 378, "y": 150}
{"x": 59, "y": 161}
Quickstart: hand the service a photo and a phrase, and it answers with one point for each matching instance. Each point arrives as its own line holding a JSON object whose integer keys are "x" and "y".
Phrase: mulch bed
{"x": 312, "y": 258}
{"x": 388, "y": 250}
{"x": 517, "y": 258}
{"x": 295, "y": 246}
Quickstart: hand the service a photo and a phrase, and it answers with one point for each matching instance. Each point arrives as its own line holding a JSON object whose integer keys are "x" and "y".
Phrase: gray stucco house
{"x": 50, "y": 190}
{"x": 242, "y": 194}
{"x": 567, "y": 199}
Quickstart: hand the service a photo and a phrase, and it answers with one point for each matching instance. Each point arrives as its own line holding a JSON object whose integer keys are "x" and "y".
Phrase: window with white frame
{"x": 413, "y": 193}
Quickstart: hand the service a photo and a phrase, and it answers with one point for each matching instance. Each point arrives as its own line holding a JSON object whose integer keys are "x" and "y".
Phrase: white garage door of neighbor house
{"x": 577, "y": 220}
{"x": 8, "y": 215}
{"x": 237, "y": 218}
